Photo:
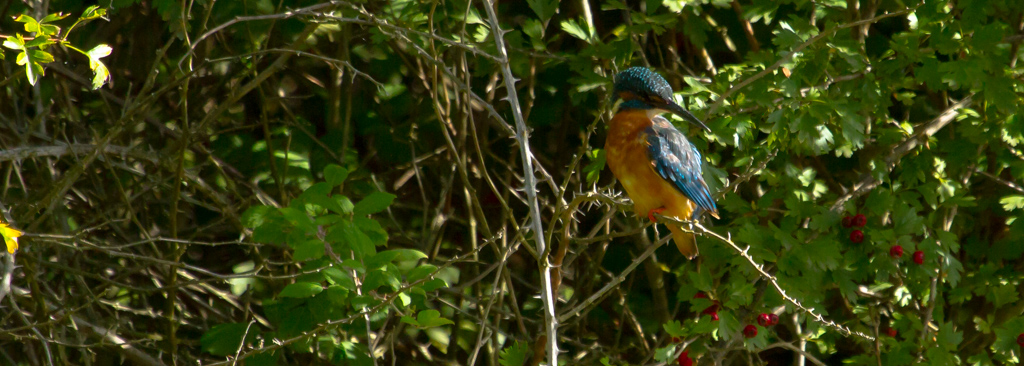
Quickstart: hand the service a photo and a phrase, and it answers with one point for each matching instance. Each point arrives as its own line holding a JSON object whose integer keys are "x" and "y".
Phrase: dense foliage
{"x": 334, "y": 182}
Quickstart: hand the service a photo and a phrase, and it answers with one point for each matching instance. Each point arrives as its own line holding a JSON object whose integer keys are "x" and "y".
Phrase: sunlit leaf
{"x": 11, "y": 236}
{"x": 301, "y": 290}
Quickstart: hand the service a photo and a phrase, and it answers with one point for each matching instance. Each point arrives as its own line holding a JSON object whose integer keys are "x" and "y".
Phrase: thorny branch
{"x": 529, "y": 186}
{"x": 696, "y": 228}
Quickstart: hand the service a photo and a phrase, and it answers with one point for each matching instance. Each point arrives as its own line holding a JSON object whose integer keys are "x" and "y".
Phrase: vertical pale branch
{"x": 529, "y": 186}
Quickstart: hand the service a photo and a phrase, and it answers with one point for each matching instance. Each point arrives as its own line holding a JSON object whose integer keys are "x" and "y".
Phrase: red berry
{"x": 857, "y": 236}
{"x": 860, "y": 220}
{"x": 711, "y": 309}
{"x": 763, "y": 320}
{"x": 714, "y": 316}
{"x": 1020, "y": 339}
{"x": 896, "y": 251}
{"x": 919, "y": 257}
{"x": 750, "y": 331}
{"x": 847, "y": 221}
{"x": 684, "y": 359}
{"x": 700, "y": 295}
{"x": 891, "y": 332}
{"x": 773, "y": 319}
{"x": 676, "y": 340}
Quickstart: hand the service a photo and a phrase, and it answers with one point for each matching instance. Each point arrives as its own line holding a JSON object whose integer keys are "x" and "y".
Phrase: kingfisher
{"x": 659, "y": 168}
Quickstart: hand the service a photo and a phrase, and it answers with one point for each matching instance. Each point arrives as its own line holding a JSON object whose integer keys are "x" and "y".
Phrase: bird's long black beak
{"x": 681, "y": 112}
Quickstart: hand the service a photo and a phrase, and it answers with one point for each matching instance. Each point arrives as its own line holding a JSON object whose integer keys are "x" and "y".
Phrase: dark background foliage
{"x": 305, "y": 182}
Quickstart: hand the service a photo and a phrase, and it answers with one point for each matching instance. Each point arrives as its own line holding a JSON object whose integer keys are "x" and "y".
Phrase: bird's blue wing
{"x": 678, "y": 162}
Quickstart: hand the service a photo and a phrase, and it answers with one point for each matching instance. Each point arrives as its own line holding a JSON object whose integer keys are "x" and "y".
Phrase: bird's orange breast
{"x": 626, "y": 152}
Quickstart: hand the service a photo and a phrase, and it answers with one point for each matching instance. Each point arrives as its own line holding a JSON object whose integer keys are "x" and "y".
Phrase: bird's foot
{"x": 650, "y": 214}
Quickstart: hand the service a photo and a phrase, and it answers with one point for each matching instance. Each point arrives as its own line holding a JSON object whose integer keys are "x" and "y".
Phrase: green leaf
{"x": 101, "y": 74}
{"x": 225, "y": 339}
{"x": 379, "y": 277}
{"x": 32, "y": 69}
{"x": 948, "y": 338}
{"x": 257, "y": 215}
{"x": 54, "y": 17}
{"x": 335, "y": 175}
{"x": 595, "y": 166}
{"x": 431, "y": 318}
{"x": 31, "y": 24}
{"x": 410, "y": 320}
{"x": 1004, "y": 294}
{"x": 93, "y": 12}
{"x": 420, "y": 272}
{"x": 337, "y": 295}
{"x": 372, "y": 229}
{"x": 15, "y": 43}
{"x": 317, "y": 194}
{"x": 348, "y": 235}
{"x": 308, "y": 250}
{"x": 301, "y": 290}
{"x": 701, "y": 279}
{"x": 374, "y": 203}
{"x": 535, "y": 30}
{"x": 664, "y": 354}
{"x": 380, "y": 259}
{"x": 545, "y": 9}
{"x": 514, "y": 355}
{"x": 940, "y": 357}
{"x": 41, "y": 57}
{"x": 354, "y": 354}
{"x": 34, "y": 26}
{"x": 575, "y": 29}
{"x": 704, "y": 325}
{"x": 337, "y": 276}
{"x": 1006, "y": 335}
{"x": 675, "y": 329}
{"x": 434, "y": 284}
{"x": 39, "y": 42}
{"x": 742, "y": 294}
{"x": 1012, "y": 202}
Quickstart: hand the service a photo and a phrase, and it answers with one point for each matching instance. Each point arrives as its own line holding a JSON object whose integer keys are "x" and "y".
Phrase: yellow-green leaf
{"x": 10, "y": 237}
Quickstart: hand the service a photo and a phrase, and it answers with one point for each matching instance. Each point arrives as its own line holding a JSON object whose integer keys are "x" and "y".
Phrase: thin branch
{"x": 697, "y": 228}
{"x": 584, "y": 306}
{"x": 793, "y": 348}
{"x": 529, "y": 185}
{"x": 123, "y": 347}
{"x": 869, "y": 181}
{"x": 22, "y": 153}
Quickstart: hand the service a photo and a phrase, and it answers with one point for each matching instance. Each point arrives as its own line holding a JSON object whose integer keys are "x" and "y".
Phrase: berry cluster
{"x": 897, "y": 251}
{"x": 857, "y": 236}
{"x": 765, "y": 320}
{"x": 710, "y": 310}
{"x": 858, "y": 220}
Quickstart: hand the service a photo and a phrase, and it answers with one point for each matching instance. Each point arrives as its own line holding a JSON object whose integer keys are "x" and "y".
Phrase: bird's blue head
{"x": 641, "y": 88}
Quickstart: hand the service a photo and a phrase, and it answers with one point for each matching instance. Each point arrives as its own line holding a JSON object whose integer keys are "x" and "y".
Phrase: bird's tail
{"x": 686, "y": 242}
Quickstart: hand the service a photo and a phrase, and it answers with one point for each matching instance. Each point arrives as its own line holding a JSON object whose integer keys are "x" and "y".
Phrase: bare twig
{"x": 529, "y": 185}
{"x": 583, "y": 307}
{"x": 697, "y": 228}
{"x": 120, "y": 344}
{"x": 868, "y": 181}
